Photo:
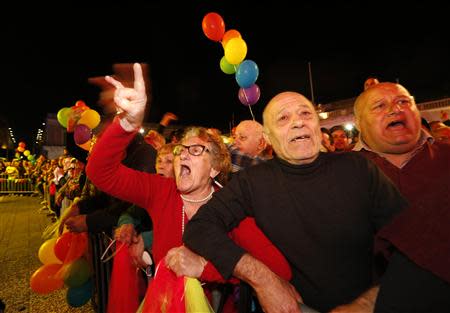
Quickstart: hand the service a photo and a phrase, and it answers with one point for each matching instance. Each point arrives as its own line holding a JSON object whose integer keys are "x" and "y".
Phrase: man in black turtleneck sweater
{"x": 321, "y": 210}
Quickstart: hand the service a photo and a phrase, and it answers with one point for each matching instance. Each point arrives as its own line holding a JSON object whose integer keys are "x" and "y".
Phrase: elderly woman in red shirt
{"x": 200, "y": 160}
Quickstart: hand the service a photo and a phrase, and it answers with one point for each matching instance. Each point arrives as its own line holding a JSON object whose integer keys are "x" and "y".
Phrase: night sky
{"x": 48, "y": 56}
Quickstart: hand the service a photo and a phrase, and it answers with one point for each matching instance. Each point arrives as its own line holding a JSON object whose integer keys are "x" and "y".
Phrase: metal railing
{"x": 16, "y": 185}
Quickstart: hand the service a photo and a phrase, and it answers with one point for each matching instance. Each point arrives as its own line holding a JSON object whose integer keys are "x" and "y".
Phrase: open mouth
{"x": 185, "y": 170}
{"x": 400, "y": 124}
{"x": 300, "y": 138}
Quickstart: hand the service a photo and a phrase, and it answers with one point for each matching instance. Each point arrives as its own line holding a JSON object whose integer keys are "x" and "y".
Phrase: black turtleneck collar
{"x": 302, "y": 168}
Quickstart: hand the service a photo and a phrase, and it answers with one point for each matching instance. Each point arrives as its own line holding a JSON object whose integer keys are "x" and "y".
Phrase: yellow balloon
{"x": 26, "y": 153}
{"x": 90, "y": 118}
{"x": 235, "y": 50}
{"x": 46, "y": 252}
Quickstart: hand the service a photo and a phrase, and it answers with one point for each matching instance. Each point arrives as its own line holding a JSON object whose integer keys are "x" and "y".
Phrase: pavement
{"x": 22, "y": 223}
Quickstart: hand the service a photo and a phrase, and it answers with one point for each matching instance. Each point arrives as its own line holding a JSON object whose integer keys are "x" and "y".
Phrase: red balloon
{"x": 44, "y": 280}
{"x": 70, "y": 246}
{"x": 213, "y": 26}
{"x": 80, "y": 104}
{"x": 62, "y": 245}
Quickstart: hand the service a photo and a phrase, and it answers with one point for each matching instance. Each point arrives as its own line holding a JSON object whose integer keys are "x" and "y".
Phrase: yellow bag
{"x": 194, "y": 297}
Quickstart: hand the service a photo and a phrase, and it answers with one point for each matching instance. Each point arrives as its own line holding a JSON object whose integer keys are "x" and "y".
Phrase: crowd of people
{"x": 283, "y": 216}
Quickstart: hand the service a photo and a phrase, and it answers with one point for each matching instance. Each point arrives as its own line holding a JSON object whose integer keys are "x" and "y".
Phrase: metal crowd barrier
{"x": 16, "y": 186}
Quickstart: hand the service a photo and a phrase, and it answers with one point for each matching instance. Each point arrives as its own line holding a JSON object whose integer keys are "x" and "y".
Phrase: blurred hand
{"x": 77, "y": 224}
{"x": 125, "y": 233}
{"x": 130, "y": 102}
{"x": 136, "y": 250}
{"x": 73, "y": 210}
{"x": 184, "y": 262}
{"x": 167, "y": 118}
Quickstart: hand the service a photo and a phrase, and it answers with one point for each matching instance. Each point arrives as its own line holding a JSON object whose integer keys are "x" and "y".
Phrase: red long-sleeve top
{"x": 160, "y": 197}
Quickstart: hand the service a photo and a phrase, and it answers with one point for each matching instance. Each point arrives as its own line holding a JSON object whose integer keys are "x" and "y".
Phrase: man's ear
{"x": 266, "y": 138}
{"x": 262, "y": 144}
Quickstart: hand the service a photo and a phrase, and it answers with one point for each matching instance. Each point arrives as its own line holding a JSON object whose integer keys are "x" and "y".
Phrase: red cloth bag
{"x": 127, "y": 285}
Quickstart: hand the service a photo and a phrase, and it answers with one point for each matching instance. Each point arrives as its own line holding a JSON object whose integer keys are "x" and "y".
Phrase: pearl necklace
{"x": 200, "y": 200}
{"x": 192, "y": 201}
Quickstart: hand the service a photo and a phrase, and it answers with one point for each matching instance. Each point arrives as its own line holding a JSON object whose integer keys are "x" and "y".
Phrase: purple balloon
{"x": 249, "y": 96}
{"x": 81, "y": 134}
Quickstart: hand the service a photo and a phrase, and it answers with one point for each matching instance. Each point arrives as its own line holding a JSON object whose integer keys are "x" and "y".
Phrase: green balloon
{"x": 63, "y": 116}
{"x": 78, "y": 273}
{"x": 226, "y": 67}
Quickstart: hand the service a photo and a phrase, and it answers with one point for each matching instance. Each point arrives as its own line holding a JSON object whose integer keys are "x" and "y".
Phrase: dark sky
{"x": 47, "y": 56}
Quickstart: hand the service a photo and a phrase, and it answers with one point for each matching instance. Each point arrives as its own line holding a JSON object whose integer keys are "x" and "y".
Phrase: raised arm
{"x": 104, "y": 167}
{"x": 130, "y": 102}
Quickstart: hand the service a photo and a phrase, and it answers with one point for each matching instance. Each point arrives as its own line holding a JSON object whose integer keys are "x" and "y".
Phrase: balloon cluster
{"x": 233, "y": 62}
{"x": 80, "y": 120}
{"x": 64, "y": 264}
{"x": 22, "y": 152}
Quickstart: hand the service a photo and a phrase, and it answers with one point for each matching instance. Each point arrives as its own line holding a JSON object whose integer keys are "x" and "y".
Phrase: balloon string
{"x": 251, "y": 112}
{"x": 103, "y": 259}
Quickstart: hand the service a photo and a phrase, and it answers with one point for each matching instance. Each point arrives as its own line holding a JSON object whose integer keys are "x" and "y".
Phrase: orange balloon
{"x": 230, "y": 34}
{"x": 86, "y": 146}
{"x": 44, "y": 280}
{"x": 213, "y": 26}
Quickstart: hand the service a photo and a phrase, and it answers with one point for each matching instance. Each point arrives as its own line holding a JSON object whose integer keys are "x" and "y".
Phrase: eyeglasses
{"x": 195, "y": 150}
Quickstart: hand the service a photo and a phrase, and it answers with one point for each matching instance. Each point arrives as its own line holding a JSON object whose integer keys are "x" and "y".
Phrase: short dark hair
{"x": 338, "y": 127}
{"x": 325, "y": 130}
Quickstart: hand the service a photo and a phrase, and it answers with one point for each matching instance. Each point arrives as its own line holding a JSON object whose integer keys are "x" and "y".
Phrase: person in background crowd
{"x": 440, "y": 131}
{"x": 339, "y": 139}
{"x": 418, "y": 239}
{"x": 248, "y": 145}
{"x": 326, "y": 145}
